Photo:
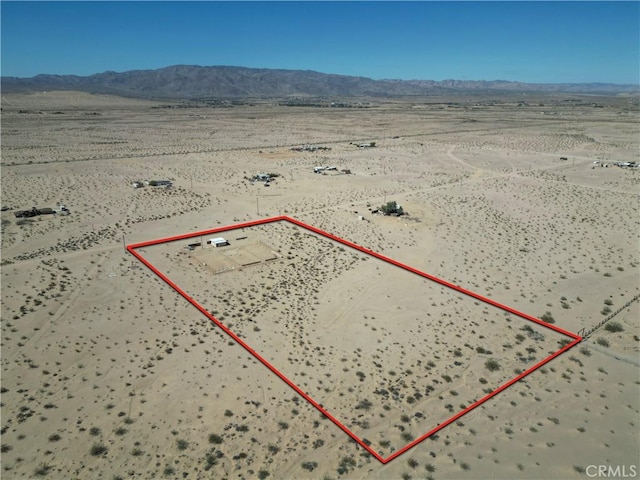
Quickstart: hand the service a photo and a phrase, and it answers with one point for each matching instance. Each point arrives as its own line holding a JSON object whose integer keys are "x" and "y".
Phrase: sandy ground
{"x": 108, "y": 373}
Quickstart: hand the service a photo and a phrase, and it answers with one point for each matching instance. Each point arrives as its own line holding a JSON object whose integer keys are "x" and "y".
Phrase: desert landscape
{"x": 531, "y": 201}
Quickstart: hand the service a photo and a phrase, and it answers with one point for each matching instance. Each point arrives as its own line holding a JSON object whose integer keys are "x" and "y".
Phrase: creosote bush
{"x": 613, "y": 327}
{"x": 492, "y": 365}
{"x": 98, "y": 449}
{"x": 547, "y": 317}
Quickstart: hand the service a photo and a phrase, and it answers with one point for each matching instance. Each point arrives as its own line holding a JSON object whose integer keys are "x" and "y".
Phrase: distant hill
{"x": 190, "y": 81}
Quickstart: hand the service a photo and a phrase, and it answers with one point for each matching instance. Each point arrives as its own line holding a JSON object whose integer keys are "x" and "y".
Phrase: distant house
{"x": 34, "y": 212}
{"x": 367, "y": 145}
{"x": 218, "y": 242}
{"x": 346, "y": 171}
{"x": 309, "y": 148}
{"x": 193, "y": 245}
{"x": 322, "y": 169}
{"x": 138, "y": 184}
{"x": 159, "y": 183}
{"x": 263, "y": 177}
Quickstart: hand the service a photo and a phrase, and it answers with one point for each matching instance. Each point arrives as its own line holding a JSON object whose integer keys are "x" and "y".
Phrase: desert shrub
{"x": 345, "y": 464}
{"x": 547, "y": 317}
{"x": 492, "y": 365}
{"x": 407, "y": 436}
{"x": 309, "y": 466}
{"x": 215, "y": 439}
{"x": 182, "y": 444}
{"x": 613, "y": 327}
{"x": 98, "y": 449}
{"x": 168, "y": 471}
{"x": 602, "y": 341}
{"x": 136, "y": 452}
{"x": 273, "y": 449}
{"x": 42, "y": 470}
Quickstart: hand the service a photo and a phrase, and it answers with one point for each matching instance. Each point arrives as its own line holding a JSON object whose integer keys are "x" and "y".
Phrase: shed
{"x": 218, "y": 242}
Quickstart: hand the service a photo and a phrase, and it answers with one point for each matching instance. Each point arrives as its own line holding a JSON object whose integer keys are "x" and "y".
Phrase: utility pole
{"x": 124, "y": 245}
{"x": 257, "y": 205}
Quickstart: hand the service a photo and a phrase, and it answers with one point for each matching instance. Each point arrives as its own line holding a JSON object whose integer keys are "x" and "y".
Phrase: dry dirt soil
{"x": 107, "y": 372}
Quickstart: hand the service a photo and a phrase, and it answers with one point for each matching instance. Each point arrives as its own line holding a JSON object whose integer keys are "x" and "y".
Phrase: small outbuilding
{"x": 218, "y": 242}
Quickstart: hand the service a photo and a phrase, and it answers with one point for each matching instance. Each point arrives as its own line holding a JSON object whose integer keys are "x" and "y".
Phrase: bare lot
{"x": 389, "y": 353}
{"x": 107, "y": 372}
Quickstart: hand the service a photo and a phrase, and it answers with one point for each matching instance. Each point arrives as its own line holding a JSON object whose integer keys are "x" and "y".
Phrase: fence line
{"x": 585, "y": 333}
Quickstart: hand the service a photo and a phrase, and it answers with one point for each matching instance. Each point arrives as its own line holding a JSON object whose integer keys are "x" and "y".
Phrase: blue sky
{"x": 548, "y": 42}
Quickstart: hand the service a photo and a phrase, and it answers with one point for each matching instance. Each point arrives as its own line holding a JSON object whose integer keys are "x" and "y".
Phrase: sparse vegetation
{"x": 42, "y": 470}
{"x": 614, "y": 327}
{"x": 396, "y": 375}
{"x": 548, "y": 317}
{"x": 492, "y": 365}
{"x": 309, "y": 466}
{"x": 98, "y": 450}
{"x": 182, "y": 444}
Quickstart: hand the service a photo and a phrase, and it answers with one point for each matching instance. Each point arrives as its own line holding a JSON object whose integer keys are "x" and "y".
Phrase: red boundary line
{"x": 576, "y": 339}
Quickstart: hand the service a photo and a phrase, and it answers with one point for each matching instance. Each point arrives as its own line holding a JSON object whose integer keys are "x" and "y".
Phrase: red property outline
{"x": 576, "y": 339}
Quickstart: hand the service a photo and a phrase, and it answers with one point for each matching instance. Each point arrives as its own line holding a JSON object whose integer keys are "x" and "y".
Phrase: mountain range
{"x": 194, "y": 82}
